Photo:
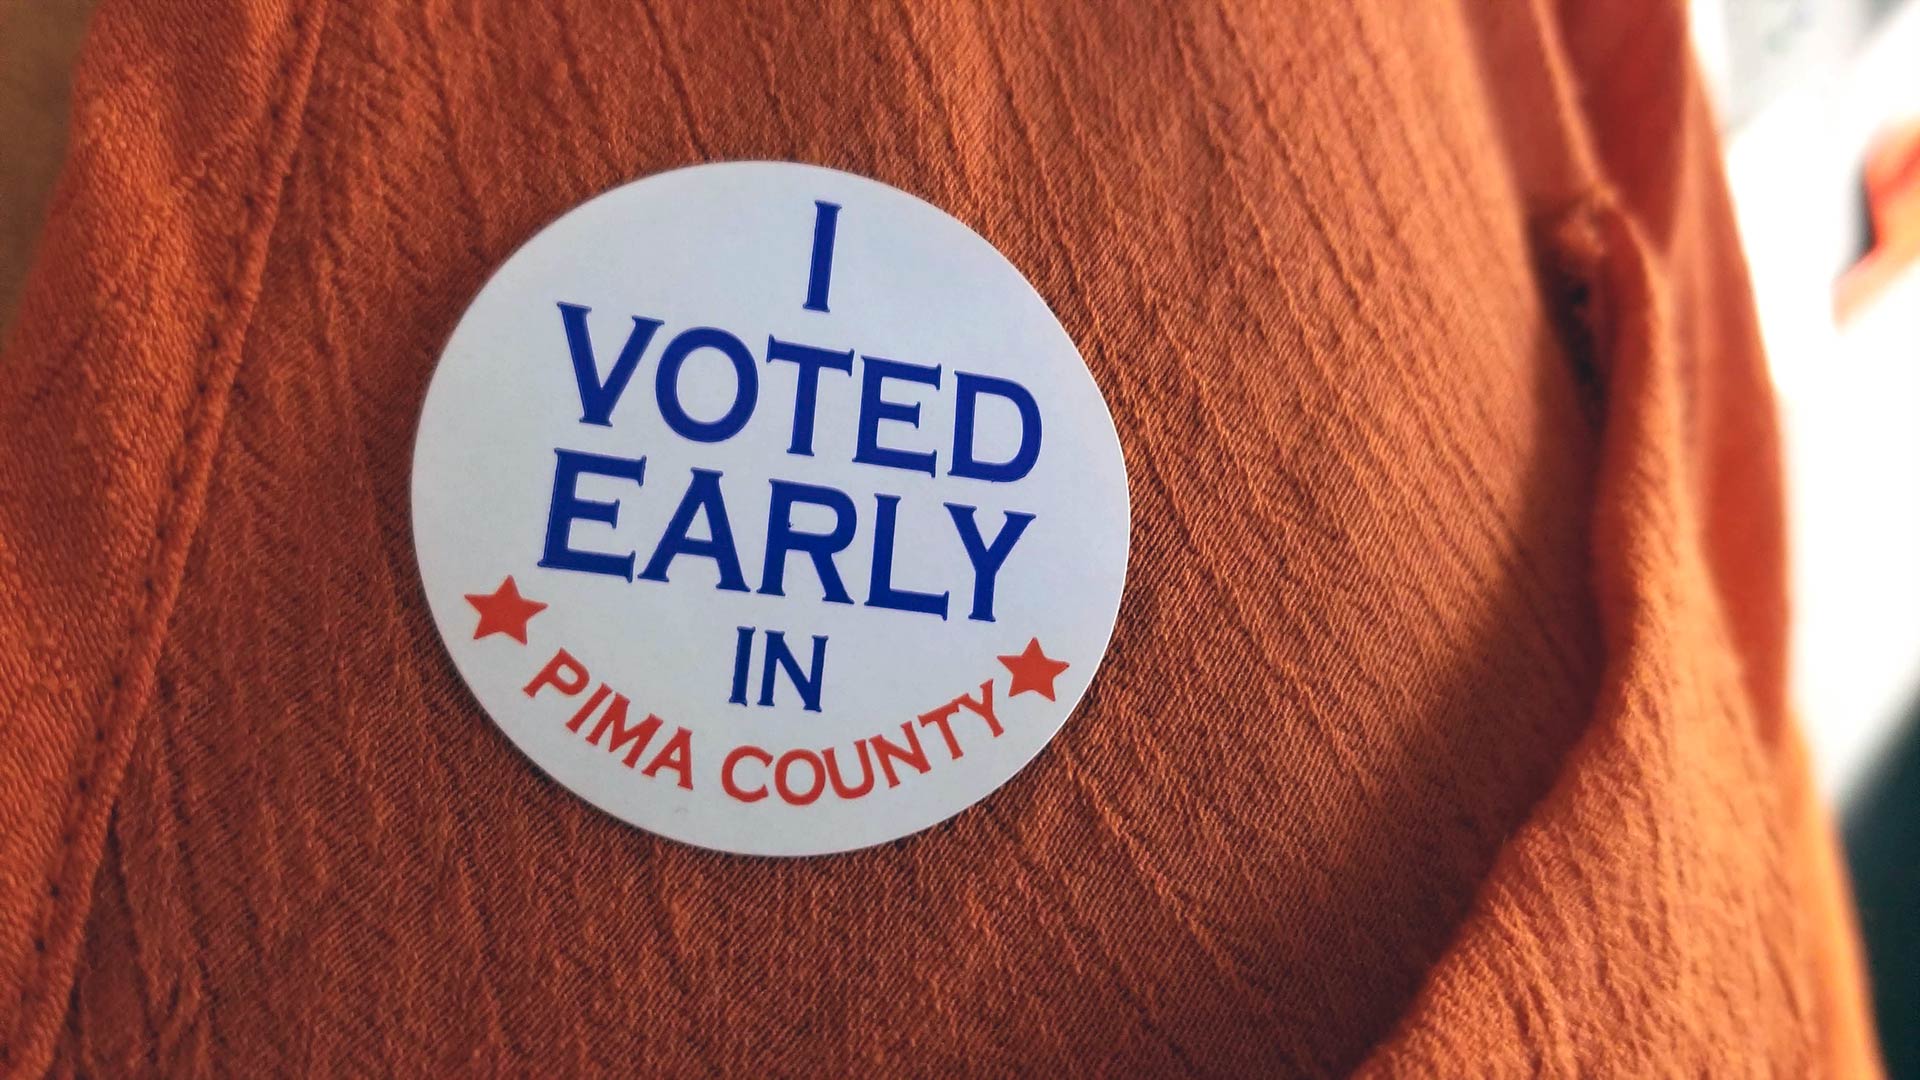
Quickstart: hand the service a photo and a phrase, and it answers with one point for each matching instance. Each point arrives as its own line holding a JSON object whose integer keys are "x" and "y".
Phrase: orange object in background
{"x": 1893, "y": 203}
{"x": 1444, "y": 728}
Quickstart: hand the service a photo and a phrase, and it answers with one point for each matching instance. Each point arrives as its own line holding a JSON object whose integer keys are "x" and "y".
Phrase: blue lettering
{"x": 880, "y": 590}
{"x": 874, "y": 408}
{"x": 666, "y": 385}
{"x": 702, "y": 497}
{"x": 598, "y": 398}
{"x": 568, "y": 507}
{"x": 986, "y": 558}
{"x": 967, "y": 390}
{"x": 782, "y": 539}
{"x": 807, "y": 390}
{"x": 781, "y": 657}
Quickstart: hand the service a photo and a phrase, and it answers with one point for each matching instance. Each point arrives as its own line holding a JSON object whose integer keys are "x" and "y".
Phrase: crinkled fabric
{"x": 1444, "y": 730}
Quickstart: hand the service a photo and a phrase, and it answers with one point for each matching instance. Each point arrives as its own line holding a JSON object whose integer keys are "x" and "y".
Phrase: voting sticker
{"x": 769, "y": 508}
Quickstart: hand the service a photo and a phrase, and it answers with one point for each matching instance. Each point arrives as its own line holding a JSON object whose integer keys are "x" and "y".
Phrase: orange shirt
{"x": 1444, "y": 729}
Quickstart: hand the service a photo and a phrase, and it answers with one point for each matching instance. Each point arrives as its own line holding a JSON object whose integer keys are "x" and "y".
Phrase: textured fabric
{"x": 1444, "y": 729}
{"x": 38, "y": 41}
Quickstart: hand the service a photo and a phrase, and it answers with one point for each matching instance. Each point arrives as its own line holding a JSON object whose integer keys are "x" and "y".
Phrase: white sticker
{"x": 768, "y": 508}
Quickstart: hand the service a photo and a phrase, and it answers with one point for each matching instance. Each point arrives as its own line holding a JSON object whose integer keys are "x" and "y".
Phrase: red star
{"x": 1033, "y": 670}
{"x": 504, "y": 611}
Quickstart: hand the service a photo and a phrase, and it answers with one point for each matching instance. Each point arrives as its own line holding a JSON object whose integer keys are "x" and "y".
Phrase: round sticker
{"x": 768, "y": 508}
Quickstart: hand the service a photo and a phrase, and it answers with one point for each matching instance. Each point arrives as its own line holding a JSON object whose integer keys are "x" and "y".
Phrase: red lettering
{"x": 676, "y": 755}
{"x": 940, "y": 716}
{"x": 599, "y": 695}
{"x": 840, "y": 787}
{"x": 793, "y": 797}
{"x": 726, "y": 773}
{"x": 982, "y": 708}
{"x": 562, "y": 661}
{"x": 616, "y": 718}
{"x": 888, "y": 753}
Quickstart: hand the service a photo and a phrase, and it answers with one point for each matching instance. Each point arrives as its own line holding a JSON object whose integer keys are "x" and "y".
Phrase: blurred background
{"x": 1820, "y": 112}
{"x": 1820, "y": 109}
